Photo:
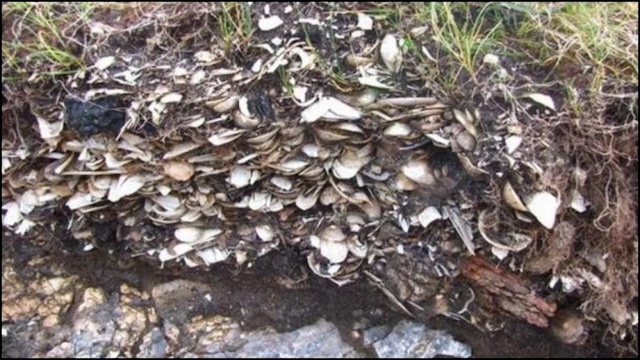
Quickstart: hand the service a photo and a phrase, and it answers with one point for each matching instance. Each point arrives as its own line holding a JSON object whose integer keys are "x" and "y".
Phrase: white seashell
{"x": 512, "y": 143}
{"x": 171, "y": 98}
{"x": 80, "y": 200}
{"x": 243, "y": 104}
{"x": 213, "y": 255}
{"x": 391, "y": 53}
{"x": 365, "y": 22}
{"x": 282, "y": 182}
{"x": 188, "y": 234}
{"x": 500, "y": 253}
{"x": 330, "y": 108}
{"x": 306, "y": 60}
{"x": 306, "y": 201}
{"x": 491, "y": 59}
{"x": 49, "y": 130}
{"x": 197, "y": 77}
{"x": 315, "y": 111}
{"x": 372, "y": 81}
{"x": 344, "y": 172}
{"x": 300, "y": 93}
{"x": 335, "y": 252}
{"x": 180, "y": 149}
{"x": 113, "y": 163}
{"x": 125, "y": 186}
{"x": 168, "y": 202}
{"x": 437, "y": 139}
{"x": 225, "y": 136}
{"x": 429, "y": 215}
{"x": 13, "y": 214}
{"x": 245, "y": 122}
{"x": 512, "y": 199}
{"x": 191, "y": 216}
{"x": 542, "y": 99}
{"x": 205, "y": 56}
{"x": 404, "y": 183}
{"x": 418, "y": 171}
{"x": 257, "y": 66}
{"x": 175, "y": 252}
{"x": 544, "y": 207}
{"x": 398, "y": 129}
{"x": 294, "y": 165}
{"x": 259, "y": 200}
{"x": 269, "y": 23}
{"x": 357, "y": 248}
{"x": 240, "y": 176}
{"x": 311, "y": 150}
{"x": 578, "y": 202}
{"x": 224, "y": 105}
{"x": 104, "y": 63}
{"x": 265, "y": 232}
{"x": 332, "y": 233}
{"x": 341, "y": 110}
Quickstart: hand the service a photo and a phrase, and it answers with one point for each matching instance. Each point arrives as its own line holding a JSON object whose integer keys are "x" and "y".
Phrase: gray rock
{"x": 375, "y": 334}
{"x": 414, "y": 340}
{"x": 321, "y": 339}
{"x": 154, "y": 345}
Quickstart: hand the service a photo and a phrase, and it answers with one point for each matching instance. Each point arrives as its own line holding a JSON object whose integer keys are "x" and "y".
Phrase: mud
{"x": 253, "y": 298}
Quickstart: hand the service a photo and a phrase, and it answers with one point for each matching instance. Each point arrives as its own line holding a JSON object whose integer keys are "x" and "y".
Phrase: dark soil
{"x": 257, "y": 301}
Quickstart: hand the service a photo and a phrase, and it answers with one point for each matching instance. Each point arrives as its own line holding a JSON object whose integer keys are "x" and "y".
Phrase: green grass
{"x": 235, "y": 24}
{"x": 463, "y": 34}
{"x": 38, "y": 38}
{"x": 598, "y": 35}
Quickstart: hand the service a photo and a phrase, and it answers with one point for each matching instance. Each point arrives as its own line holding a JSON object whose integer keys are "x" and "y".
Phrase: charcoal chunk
{"x": 95, "y": 116}
{"x": 261, "y": 106}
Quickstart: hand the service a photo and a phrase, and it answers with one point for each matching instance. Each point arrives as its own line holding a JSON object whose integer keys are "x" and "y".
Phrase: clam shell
{"x": 512, "y": 199}
{"x": 224, "y": 105}
{"x": 390, "y": 53}
{"x": 188, "y": 234}
{"x": 418, "y": 171}
{"x": 544, "y": 206}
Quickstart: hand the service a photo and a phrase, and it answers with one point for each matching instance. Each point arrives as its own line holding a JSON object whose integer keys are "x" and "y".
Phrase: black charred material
{"x": 96, "y": 116}
{"x": 261, "y": 107}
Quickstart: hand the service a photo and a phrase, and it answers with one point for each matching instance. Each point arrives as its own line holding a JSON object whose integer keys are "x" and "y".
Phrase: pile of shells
{"x": 231, "y": 176}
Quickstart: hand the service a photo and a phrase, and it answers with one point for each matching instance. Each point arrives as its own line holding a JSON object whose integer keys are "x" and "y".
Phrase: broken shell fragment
{"x": 512, "y": 199}
{"x": 429, "y": 215}
{"x": 270, "y": 23}
{"x": 512, "y": 143}
{"x": 213, "y": 255}
{"x": 544, "y": 207}
{"x": 391, "y": 53}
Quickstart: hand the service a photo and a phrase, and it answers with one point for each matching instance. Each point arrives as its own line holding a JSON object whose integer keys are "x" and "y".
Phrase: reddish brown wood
{"x": 504, "y": 290}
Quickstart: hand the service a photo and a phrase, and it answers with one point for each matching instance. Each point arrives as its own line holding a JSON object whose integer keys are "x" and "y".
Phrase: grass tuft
{"x": 38, "y": 39}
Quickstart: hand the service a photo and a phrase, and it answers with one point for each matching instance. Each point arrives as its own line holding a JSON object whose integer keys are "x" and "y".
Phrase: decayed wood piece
{"x": 505, "y": 291}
